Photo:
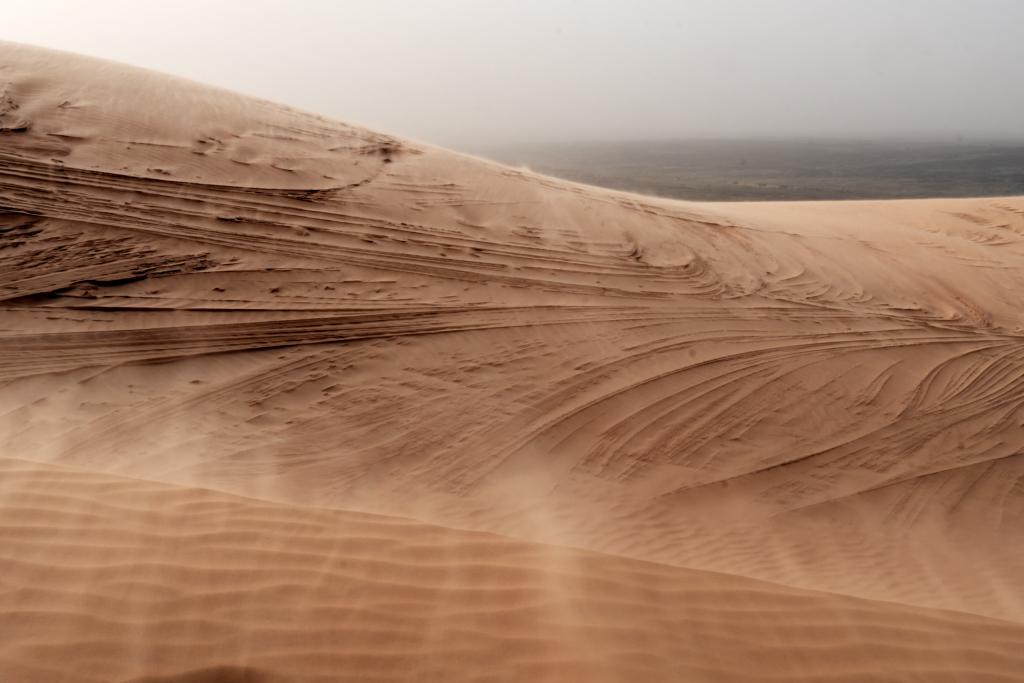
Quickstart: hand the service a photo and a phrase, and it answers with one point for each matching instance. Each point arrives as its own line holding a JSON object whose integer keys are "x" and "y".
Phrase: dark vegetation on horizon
{"x": 736, "y": 170}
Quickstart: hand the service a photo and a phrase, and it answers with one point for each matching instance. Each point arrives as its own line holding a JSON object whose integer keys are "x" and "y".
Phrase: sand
{"x": 286, "y": 399}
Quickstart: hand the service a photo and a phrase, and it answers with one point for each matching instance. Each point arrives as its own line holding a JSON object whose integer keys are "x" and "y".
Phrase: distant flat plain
{"x": 765, "y": 170}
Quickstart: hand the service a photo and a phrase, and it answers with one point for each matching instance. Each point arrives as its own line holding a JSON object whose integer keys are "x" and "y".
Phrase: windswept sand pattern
{"x": 234, "y": 295}
{"x": 229, "y": 589}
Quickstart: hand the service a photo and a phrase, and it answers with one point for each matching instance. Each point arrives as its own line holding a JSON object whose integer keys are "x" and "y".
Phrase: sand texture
{"x": 244, "y": 347}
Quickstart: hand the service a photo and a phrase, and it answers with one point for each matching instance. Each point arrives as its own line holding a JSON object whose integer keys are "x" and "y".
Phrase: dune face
{"x": 699, "y": 422}
{"x": 178, "y": 581}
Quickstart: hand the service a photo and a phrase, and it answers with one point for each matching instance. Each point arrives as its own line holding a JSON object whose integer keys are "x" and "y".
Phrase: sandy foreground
{"x": 283, "y": 399}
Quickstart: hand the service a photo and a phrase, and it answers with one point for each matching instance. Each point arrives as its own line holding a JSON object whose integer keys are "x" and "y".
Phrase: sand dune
{"x": 108, "y": 578}
{"x": 206, "y": 291}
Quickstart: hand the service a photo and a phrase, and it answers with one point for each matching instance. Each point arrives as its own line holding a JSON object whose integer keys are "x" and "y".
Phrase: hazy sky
{"x": 469, "y": 73}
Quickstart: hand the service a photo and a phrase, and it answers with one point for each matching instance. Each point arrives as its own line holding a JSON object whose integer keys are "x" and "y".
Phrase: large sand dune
{"x": 205, "y": 291}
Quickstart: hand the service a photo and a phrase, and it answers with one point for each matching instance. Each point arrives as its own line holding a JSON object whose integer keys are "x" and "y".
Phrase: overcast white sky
{"x": 467, "y": 73}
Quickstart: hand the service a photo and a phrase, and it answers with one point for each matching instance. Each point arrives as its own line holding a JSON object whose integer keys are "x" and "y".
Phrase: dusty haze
{"x": 465, "y": 74}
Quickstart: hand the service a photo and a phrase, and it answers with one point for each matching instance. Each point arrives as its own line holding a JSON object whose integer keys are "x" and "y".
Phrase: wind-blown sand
{"x": 156, "y": 578}
{"x": 731, "y": 441}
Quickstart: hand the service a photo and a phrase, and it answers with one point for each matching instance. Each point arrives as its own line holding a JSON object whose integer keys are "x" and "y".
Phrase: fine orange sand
{"x": 244, "y": 347}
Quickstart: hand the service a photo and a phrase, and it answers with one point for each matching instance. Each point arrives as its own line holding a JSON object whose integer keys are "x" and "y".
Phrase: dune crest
{"x": 222, "y": 293}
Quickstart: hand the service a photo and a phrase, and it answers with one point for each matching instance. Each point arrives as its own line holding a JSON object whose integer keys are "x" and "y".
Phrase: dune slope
{"x": 222, "y": 293}
{"x": 113, "y": 579}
